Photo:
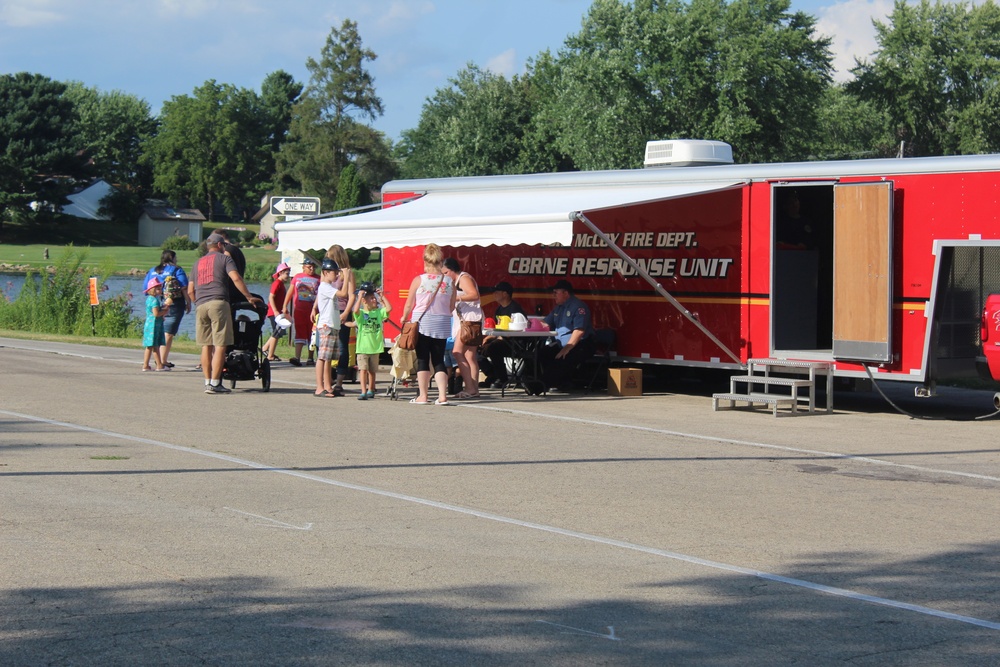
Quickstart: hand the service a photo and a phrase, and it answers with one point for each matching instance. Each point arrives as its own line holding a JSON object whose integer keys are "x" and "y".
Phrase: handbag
{"x": 408, "y": 336}
{"x": 472, "y": 333}
{"x": 411, "y": 330}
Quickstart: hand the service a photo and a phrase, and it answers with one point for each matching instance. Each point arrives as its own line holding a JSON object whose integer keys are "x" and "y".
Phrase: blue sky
{"x": 156, "y": 49}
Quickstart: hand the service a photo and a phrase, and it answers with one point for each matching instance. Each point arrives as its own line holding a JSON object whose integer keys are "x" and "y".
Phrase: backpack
{"x": 172, "y": 288}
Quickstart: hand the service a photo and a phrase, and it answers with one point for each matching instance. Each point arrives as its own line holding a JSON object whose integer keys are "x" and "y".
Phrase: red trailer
{"x": 881, "y": 263}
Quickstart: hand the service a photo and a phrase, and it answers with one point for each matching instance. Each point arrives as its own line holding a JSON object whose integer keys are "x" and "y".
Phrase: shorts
{"x": 368, "y": 362}
{"x": 172, "y": 320}
{"x": 329, "y": 344}
{"x": 214, "y": 323}
{"x": 276, "y": 331}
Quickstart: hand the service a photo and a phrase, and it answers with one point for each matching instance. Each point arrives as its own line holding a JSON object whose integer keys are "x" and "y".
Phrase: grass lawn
{"x": 24, "y": 245}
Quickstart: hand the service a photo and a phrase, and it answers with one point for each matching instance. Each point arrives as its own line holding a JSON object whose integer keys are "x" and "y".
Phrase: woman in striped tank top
{"x": 431, "y": 300}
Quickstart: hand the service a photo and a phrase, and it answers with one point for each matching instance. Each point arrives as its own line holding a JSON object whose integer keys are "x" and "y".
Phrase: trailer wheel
{"x": 265, "y": 374}
{"x": 996, "y": 400}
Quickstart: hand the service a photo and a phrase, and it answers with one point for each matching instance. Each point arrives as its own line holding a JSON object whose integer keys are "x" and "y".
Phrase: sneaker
{"x": 217, "y": 389}
{"x": 310, "y": 362}
{"x": 371, "y": 394}
{"x": 294, "y": 361}
{"x": 363, "y": 397}
{"x": 337, "y": 391}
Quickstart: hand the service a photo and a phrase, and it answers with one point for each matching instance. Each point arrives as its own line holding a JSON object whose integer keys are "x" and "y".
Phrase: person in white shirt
{"x": 327, "y": 315}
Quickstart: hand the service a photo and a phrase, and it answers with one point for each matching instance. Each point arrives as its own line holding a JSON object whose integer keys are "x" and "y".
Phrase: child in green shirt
{"x": 371, "y": 309}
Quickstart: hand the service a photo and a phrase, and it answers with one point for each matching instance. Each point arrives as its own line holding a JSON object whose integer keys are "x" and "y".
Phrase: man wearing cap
{"x": 239, "y": 260}
{"x": 209, "y": 292}
{"x": 570, "y": 320}
{"x": 495, "y": 350}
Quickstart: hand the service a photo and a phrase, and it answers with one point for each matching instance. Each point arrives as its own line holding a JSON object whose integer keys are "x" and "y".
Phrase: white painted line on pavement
{"x": 730, "y": 441}
{"x": 586, "y": 537}
{"x": 579, "y": 631}
{"x": 280, "y": 524}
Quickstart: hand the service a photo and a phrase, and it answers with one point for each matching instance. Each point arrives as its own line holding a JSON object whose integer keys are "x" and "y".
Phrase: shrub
{"x": 59, "y": 303}
{"x": 258, "y": 272}
{"x": 178, "y": 243}
{"x": 248, "y": 236}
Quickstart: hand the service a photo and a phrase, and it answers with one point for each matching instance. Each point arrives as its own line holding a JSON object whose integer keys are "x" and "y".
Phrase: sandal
{"x": 440, "y": 402}
{"x": 274, "y": 358}
{"x": 416, "y": 402}
{"x": 465, "y": 394}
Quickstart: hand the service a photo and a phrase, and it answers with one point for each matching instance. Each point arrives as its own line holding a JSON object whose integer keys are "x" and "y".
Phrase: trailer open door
{"x": 862, "y": 272}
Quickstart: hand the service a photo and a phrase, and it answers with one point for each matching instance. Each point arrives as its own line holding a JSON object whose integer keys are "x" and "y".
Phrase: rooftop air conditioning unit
{"x": 687, "y": 153}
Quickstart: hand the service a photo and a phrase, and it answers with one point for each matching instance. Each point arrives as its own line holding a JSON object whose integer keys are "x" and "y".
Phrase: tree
{"x": 851, "y": 128}
{"x": 37, "y": 141}
{"x": 606, "y": 107}
{"x": 748, "y": 72}
{"x": 278, "y": 94}
{"x": 327, "y": 131}
{"x": 540, "y": 150}
{"x": 472, "y": 128}
{"x": 936, "y": 75}
{"x": 351, "y": 191}
{"x": 212, "y": 147}
{"x": 112, "y": 129}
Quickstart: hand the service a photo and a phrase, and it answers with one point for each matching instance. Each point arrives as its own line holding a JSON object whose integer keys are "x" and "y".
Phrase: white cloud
{"x": 503, "y": 63}
{"x": 849, "y": 25}
{"x": 194, "y": 8}
{"x": 30, "y": 13}
{"x": 402, "y": 13}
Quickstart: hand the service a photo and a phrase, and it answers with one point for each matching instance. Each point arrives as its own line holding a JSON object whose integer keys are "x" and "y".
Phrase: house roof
{"x": 169, "y": 213}
{"x": 86, "y": 201}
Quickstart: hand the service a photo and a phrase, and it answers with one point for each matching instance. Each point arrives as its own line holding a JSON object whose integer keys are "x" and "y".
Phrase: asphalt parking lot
{"x": 145, "y": 522}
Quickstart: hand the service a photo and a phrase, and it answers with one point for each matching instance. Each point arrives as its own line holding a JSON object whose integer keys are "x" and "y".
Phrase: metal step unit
{"x": 763, "y": 375}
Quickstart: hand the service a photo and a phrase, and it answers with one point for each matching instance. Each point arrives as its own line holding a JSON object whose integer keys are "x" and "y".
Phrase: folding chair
{"x": 604, "y": 341}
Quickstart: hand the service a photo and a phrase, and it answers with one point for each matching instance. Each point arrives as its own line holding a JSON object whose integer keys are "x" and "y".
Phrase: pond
{"x": 11, "y": 284}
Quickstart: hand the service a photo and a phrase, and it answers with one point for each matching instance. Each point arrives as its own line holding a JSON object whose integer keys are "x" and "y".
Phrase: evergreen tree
{"x": 38, "y": 143}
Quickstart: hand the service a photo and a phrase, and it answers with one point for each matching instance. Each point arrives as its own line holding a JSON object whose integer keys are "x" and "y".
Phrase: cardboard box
{"x": 625, "y": 382}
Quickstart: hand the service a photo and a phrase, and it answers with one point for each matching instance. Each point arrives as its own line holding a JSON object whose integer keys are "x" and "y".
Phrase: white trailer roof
{"x": 512, "y": 216}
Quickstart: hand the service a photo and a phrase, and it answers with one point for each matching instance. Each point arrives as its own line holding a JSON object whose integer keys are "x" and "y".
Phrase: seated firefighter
{"x": 574, "y": 341}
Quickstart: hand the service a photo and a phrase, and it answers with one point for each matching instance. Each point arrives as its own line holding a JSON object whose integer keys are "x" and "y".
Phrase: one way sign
{"x": 295, "y": 206}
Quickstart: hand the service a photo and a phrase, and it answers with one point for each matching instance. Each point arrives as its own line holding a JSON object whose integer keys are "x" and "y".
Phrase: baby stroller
{"x": 404, "y": 364}
{"x": 244, "y": 359}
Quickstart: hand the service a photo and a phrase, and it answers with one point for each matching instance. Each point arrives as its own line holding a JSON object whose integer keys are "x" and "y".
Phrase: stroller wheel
{"x": 265, "y": 375}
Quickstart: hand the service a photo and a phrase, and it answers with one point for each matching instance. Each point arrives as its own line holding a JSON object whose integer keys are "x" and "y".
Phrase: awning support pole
{"x": 656, "y": 286}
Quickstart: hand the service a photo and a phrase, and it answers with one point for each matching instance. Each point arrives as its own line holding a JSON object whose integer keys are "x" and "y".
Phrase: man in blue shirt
{"x": 571, "y": 321}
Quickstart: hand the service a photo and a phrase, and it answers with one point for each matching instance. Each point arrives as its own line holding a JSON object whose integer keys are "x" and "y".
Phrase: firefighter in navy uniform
{"x": 574, "y": 341}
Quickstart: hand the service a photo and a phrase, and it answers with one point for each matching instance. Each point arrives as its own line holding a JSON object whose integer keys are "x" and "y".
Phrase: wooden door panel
{"x": 862, "y": 272}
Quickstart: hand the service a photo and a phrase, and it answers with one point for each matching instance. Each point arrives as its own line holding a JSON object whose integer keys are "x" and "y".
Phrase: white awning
{"x": 486, "y": 217}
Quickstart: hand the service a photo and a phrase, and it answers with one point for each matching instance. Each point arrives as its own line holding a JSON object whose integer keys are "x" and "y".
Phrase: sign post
{"x": 294, "y": 207}
{"x": 94, "y": 302}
